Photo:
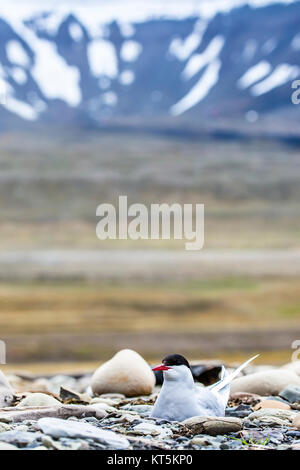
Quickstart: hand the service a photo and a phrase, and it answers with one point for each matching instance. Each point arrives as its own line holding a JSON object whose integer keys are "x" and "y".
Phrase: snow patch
{"x": 127, "y": 77}
{"x": 269, "y": 46}
{"x": 254, "y": 74}
{"x": 13, "y": 105}
{"x": 18, "y": 75}
{"x": 183, "y": 48}
{"x": 282, "y": 74}
{"x": 127, "y": 30}
{"x": 76, "y": 32}
{"x": 198, "y": 61}
{"x": 208, "y": 79}
{"x": 102, "y": 58}
{"x": 17, "y": 54}
{"x": 55, "y": 78}
{"x": 130, "y": 51}
{"x": 110, "y": 98}
{"x": 295, "y": 44}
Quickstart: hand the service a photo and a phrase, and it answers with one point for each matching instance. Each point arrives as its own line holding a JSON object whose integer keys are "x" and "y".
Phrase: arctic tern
{"x": 179, "y": 397}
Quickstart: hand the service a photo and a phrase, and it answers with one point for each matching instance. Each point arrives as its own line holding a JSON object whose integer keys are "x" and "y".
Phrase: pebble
{"x": 4, "y": 427}
{"x": 273, "y": 404}
{"x": 6, "y": 446}
{"x": 291, "y": 393}
{"x": 212, "y": 426}
{"x": 151, "y": 429}
{"x": 60, "y": 428}
{"x": 38, "y": 399}
{"x": 273, "y": 416}
{"x": 296, "y": 421}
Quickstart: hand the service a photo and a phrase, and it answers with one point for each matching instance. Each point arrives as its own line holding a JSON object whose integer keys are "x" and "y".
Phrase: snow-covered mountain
{"x": 92, "y": 63}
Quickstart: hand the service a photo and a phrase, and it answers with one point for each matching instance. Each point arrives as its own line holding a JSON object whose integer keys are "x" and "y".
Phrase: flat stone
{"x": 273, "y": 416}
{"x": 19, "y": 437}
{"x": 291, "y": 393}
{"x": 6, "y": 446}
{"x": 58, "y": 428}
{"x": 140, "y": 409}
{"x": 144, "y": 429}
{"x": 212, "y": 426}
{"x": 273, "y": 404}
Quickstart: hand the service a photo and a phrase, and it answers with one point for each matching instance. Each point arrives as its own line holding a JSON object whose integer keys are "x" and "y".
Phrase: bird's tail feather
{"x": 227, "y": 378}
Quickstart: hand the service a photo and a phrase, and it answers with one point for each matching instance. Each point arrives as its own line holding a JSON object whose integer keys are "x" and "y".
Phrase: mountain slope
{"x": 81, "y": 67}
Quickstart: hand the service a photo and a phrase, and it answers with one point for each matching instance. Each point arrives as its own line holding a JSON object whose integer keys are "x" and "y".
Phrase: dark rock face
{"x": 238, "y": 64}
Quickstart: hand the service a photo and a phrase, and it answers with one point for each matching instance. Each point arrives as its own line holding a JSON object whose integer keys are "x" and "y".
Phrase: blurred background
{"x": 162, "y": 101}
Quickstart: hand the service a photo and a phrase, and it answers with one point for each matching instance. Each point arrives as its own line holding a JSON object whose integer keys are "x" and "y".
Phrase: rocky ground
{"x": 64, "y": 412}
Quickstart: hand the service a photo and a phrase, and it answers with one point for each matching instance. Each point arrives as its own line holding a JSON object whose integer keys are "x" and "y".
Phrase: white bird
{"x": 6, "y": 392}
{"x": 179, "y": 397}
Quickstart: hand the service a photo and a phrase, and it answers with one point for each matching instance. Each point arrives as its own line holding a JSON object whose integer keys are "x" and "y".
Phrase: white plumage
{"x": 180, "y": 398}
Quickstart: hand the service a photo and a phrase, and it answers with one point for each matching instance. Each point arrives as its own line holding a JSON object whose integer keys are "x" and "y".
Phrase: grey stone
{"x": 212, "y": 426}
{"x": 291, "y": 393}
{"x": 19, "y": 437}
{"x": 273, "y": 416}
{"x": 58, "y": 428}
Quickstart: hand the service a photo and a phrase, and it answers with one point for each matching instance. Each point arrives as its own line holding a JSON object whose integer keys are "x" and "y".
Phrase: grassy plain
{"x": 50, "y": 188}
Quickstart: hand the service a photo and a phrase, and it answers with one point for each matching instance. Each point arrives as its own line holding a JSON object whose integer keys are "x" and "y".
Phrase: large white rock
{"x": 265, "y": 383}
{"x": 57, "y": 428}
{"x": 6, "y": 391}
{"x": 38, "y": 399}
{"x": 127, "y": 373}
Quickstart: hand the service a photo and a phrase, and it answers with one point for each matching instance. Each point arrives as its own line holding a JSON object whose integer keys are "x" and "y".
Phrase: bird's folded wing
{"x": 226, "y": 379}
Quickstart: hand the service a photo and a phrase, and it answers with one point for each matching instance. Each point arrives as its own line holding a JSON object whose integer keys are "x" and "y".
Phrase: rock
{"x": 105, "y": 401}
{"x": 200, "y": 441}
{"x": 38, "y": 399}
{"x": 6, "y": 446}
{"x": 244, "y": 396}
{"x": 61, "y": 381}
{"x": 4, "y": 427}
{"x": 144, "y": 429}
{"x": 113, "y": 396}
{"x": 291, "y": 393}
{"x": 58, "y": 428}
{"x": 62, "y": 411}
{"x": 20, "y": 438}
{"x": 296, "y": 421}
{"x": 273, "y": 404}
{"x": 69, "y": 396}
{"x": 212, "y": 426}
{"x": 6, "y": 392}
{"x": 265, "y": 383}
{"x": 240, "y": 411}
{"x": 127, "y": 373}
{"x": 273, "y": 416}
{"x": 143, "y": 410}
{"x": 104, "y": 407}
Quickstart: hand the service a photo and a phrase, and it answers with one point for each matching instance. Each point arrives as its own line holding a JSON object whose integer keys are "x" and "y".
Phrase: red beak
{"x": 161, "y": 367}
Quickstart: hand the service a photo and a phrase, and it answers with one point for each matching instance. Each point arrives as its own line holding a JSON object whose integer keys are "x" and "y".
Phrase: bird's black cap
{"x": 175, "y": 360}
